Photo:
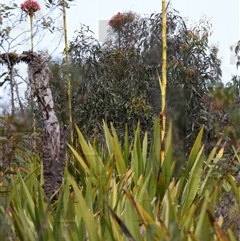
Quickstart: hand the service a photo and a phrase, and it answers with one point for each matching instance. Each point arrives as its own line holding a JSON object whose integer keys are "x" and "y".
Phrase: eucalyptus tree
{"x": 117, "y": 80}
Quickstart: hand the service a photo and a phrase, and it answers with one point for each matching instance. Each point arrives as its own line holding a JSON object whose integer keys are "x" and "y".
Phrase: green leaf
{"x": 235, "y": 189}
{"x": 205, "y": 184}
{"x": 82, "y": 209}
{"x": 108, "y": 138}
{"x": 145, "y": 149}
{"x": 186, "y": 221}
{"x": 191, "y": 160}
{"x": 153, "y": 164}
{"x": 80, "y": 160}
{"x": 126, "y": 146}
{"x": 27, "y": 198}
{"x": 167, "y": 166}
{"x": 220, "y": 234}
{"x": 192, "y": 186}
{"x": 199, "y": 228}
{"x": 137, "y": 164}
{"x": 92, "y": 157}
{"x": 147, "y": 220}
{"x": 195, "y": 151}
{"x": 62, "y": 209}
{"x": 119, "y": 159}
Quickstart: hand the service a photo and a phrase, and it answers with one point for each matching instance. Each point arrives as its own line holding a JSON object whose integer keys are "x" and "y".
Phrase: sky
{"x": 224, "y": 16}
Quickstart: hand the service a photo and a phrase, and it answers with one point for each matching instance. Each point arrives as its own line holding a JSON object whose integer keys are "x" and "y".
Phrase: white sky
{"x": 223, "y": 14}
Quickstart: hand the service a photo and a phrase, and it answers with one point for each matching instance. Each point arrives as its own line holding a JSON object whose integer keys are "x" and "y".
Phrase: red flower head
{"x": 30, "y": 7}
{"x": 120, "y": 19}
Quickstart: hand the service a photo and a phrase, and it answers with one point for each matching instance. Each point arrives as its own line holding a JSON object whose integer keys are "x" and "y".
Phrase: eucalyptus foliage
{"x": 117, "y": 80}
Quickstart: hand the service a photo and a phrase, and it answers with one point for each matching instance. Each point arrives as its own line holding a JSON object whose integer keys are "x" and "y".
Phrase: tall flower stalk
{"x": 118, "y": 21}
{"x": 69, "y": 92}
{"x": 30, "y": 7}
{"x": 11, "y": 70}
{"x": 163, "y": 81}
{"x": 31, "y": 30}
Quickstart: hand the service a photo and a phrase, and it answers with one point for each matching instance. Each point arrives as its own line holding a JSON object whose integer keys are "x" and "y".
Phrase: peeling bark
{"x": 53, "y": 169}
{"x": 54, "y": 137}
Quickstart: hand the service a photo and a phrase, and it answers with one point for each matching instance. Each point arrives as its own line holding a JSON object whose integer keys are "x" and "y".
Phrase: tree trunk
{"x": 54, "y": 147}
{"x": 54, "y": 150}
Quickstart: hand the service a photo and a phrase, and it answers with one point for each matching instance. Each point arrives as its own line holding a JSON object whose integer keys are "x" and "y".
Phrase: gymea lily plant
{"x": 30, "y": 7}
{"x": 69, "y": 92}
{"x": 163, "y": 81}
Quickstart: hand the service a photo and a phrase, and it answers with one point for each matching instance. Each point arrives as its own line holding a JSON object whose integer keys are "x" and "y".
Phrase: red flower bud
{"x": 120, "y": 19}
{"x": 30, "y": 7}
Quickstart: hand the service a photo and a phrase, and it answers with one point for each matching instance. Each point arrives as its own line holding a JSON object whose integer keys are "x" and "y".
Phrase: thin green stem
{"x": 163, "y": 83}
{"x": 12, "y": 89}
{"x": 69, "y": 93}
{"x": 32, "y": 96}
{"x": 31, "y": 30}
